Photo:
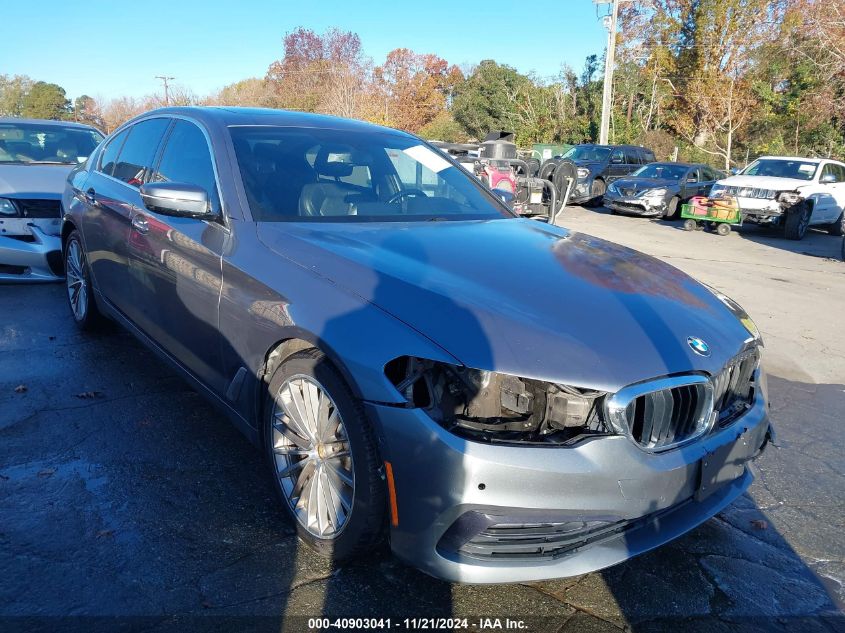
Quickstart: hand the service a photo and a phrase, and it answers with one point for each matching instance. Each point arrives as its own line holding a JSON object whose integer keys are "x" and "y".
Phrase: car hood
{"x": 641, "y": 184}
{"x": 33, "y": 181}
{"x": 764, "y": 182}
{"x": 520, "y": 297}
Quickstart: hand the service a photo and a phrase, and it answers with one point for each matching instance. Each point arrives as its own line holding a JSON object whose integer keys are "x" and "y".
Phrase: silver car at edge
{"x": 35, "y": 158}
{"x": 501, "y": 400}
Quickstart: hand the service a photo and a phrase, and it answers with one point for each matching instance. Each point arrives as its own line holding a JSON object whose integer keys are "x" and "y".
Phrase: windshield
{"x": 310, "y": 174}
{"x": 588, "y": 153}
{"x": 782, "y": 168}
{"x": 25, "y": 143}
{"x": 656, "y": 170}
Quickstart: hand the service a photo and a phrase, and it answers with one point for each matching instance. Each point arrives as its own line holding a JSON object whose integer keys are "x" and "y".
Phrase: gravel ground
{"x": 128, "y": 502}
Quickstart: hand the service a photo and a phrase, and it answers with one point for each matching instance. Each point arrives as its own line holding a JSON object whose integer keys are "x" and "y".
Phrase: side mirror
{"x": 733, "y": 171}
{"x": 506, "y": 196}
{"x": 828, "y": 179}
{"x": 177, "y": 199}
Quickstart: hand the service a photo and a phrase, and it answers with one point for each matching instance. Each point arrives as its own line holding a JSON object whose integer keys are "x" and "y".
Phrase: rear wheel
{"x": 797, "y": 221}
{"x": 80, "y": 295}
{"x": 723, "y": 229}
{"x": 322, "y": 452}
{"x": 690, "y": 225}
{"x": 838, "y": 227}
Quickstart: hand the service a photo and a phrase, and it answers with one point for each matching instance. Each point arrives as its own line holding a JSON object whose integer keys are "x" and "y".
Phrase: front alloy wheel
{"x": 324, "y": 457}
{"x": 78, "y": 281}
{"x": 313, "y": 462}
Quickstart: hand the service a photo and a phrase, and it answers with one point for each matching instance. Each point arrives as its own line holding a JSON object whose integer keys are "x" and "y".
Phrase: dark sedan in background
{"x": 659, "y": 189}
{"x": 504, "y": 400}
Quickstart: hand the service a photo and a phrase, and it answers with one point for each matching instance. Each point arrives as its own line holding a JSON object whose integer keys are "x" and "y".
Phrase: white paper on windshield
{"x": 429, "y": 159}
{"x": 807, "y": 168}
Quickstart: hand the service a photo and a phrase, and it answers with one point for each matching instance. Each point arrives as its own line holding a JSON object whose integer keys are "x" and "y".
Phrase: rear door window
{"x": 186, "y": 159}
{"x": 648, "y": 156}
{"x": 108, "y": 158}
{"x": 632, "y": 157}
{"x": 138, "y": 152}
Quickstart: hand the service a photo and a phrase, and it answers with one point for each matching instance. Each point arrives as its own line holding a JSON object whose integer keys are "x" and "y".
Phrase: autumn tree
{"x": 320, "y": 73}
{"x": 415, "y": 88}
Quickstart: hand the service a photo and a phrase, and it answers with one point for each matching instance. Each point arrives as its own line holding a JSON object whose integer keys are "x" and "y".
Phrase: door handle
{"x": 91, "y": 196}
{"x": 140, "y": 224}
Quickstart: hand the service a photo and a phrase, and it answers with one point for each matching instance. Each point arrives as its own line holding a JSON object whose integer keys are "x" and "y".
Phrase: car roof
{"x": 801, "y": 158}
{"x": 48, "y": 122}
{"x": 233, "y": 116}
{"x": 669, "y": 163}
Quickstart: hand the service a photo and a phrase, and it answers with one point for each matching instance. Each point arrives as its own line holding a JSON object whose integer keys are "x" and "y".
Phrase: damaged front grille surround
{"x": 657, "y": 415}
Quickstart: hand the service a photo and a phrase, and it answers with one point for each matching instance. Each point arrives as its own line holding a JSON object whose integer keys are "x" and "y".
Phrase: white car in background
{"x": 789, "y": 192}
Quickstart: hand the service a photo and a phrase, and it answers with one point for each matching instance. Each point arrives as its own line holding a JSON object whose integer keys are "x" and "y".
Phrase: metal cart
{"x": 719, "y": 213}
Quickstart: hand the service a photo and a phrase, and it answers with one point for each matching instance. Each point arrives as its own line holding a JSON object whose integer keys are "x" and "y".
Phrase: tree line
{"x": 717, "y": 81}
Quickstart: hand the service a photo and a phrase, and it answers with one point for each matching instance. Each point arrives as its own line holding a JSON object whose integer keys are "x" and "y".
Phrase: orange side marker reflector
{"x": 391, "y": 491}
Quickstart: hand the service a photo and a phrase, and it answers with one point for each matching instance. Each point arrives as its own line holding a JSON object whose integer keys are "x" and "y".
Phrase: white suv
{"x": 793, "y": 193}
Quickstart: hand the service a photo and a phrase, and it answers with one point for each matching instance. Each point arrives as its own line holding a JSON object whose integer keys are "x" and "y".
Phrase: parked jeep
{"x": 597, "y": 166}
{"x": 789, "y": 192}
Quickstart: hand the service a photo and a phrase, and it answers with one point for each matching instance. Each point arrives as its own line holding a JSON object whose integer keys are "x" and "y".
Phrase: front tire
{"x": 597, "y": 190}
{"x": 672, "y": 209}
{"x": 797, "y": 221}
{"x": 80, "y": 292}
{"x": 323, "y": 455}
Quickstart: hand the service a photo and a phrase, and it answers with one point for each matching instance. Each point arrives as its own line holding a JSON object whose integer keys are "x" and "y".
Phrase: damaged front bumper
{"x": 482, "y": 513}
{"x": 647, "y": 207}
{"x": 30, "y": 250}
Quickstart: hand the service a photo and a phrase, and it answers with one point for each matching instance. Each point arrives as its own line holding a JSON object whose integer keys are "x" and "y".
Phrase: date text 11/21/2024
{"x": 418, "y": 624}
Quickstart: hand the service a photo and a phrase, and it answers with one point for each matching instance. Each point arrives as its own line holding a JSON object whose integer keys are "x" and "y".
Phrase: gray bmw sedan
{"x": 499, "y": 399}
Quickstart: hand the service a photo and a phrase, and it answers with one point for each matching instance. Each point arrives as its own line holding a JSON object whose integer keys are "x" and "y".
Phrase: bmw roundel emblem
{"x": 698, "y": 346}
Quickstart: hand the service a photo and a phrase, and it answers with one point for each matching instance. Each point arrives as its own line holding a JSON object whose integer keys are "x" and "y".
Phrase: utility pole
{"x": 166, "y": 93}
{"x": 609, "y": 22}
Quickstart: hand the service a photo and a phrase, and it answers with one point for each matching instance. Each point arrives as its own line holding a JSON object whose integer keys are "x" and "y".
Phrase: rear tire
{"x": 723, "y": 229}
{"x": 326, "y": 454}
{"x": 80, "y": 292}
{"x": 797, "y": 221}
{"x": 690, "y": 225}
{"x": 838, "y": 227}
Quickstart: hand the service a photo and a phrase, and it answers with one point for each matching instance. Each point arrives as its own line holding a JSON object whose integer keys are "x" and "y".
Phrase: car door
{"x": 826, "y": 207}
{"x": 838, "y": 191}
{"x": 616, "y": 167}
{"x": 176, "y": 261}
{"x": 110, "y": 196}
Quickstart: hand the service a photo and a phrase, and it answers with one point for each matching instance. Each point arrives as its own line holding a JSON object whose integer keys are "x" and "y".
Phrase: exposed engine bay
{"x": 492, "y": 407}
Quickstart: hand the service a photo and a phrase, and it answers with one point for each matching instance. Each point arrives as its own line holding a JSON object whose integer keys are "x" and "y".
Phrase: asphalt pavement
{"x": 127, "y": 502}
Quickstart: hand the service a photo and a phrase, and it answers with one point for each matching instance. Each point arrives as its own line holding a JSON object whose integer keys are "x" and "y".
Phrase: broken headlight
{"x": 492, "y": 407}
{"x": 789, "y": 198}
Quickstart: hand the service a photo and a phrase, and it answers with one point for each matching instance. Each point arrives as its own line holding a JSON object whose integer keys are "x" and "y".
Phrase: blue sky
{"x": 112, "y": 48}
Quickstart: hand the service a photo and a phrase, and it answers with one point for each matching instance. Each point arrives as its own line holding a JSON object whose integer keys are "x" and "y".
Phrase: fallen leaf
{"x": 760, "y": 524}
{"x": 89, "y": 395}
{"x": 46, "y": 472}
{"x": 105, "y": 533}
{"x": 20, "y": 389}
